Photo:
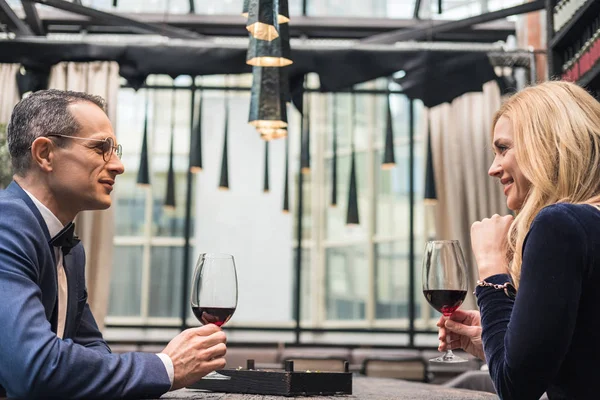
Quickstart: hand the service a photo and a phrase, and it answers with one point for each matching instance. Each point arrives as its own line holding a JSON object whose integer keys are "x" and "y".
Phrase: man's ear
{"x": 42, "y": 153}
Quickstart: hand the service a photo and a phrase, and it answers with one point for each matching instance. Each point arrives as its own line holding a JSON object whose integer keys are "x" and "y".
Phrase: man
{"x": 65, "y": 160}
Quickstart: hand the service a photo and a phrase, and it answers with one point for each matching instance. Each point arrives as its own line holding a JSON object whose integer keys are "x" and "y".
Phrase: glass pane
{"x": 392, "y": 204}
{"x": 170, "y": 222}
{"x": 126, "y": 282}
{"x": 165, "y": 281}
{"x": 130, "y": 197}
{"x": 346, "y": 275}
{"x": 307, "y": 294}
{"x": 391, "y": 280}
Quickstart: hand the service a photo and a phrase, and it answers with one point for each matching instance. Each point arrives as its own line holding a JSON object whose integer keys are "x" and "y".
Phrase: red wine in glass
{"x": 213, "y": 315}
{"x": 445, "y": 280}
{"x": 214, "y": 292}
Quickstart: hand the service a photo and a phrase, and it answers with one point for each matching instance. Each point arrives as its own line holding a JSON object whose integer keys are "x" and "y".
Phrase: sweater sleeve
{"x": 526, "y": 341}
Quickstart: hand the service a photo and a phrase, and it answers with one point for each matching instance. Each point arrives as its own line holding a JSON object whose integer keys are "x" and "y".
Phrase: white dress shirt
{"x": 54, "y": 227}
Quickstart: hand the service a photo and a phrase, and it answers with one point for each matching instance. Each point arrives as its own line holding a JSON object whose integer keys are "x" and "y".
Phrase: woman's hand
{"x": 464, "y": 330}
{"x": 488, "y": 241}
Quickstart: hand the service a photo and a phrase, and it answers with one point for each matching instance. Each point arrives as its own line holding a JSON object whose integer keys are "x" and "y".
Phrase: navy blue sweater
{"x": 548, "y": 338}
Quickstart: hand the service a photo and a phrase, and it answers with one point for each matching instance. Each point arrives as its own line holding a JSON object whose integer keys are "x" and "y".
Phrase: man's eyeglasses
{"x": 108, "y": 145}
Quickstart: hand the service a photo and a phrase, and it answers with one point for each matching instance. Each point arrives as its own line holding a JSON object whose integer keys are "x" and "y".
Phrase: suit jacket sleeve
{"x": 34, "y": 362}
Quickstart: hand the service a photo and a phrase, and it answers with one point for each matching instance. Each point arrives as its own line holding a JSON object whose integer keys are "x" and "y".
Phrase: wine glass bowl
{"x": 445, "y": 282}
{"x": 214, "y": 292}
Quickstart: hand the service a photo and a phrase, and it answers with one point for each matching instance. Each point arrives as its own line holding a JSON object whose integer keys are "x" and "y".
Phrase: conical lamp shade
{"x": 170, "y": 197}
{"x": 286, "y": 182}
{"x": 389, "y": 160}
{"x": 196, "y": 144}
{"x": 266, "y": 180}
{"x": 430, "y": 192}
{"x": 334, "y": 158}
{"x": 262, "y": 22}
{"x": 352, "y": 215}
{"x": 274, "y": 53}
{"x": 143, "y": 177}
{"x": 224, "y": 181}
{"x": 283, "y": 13}
{"x": 267, "y": 107}
{"x": 305, "y": 145}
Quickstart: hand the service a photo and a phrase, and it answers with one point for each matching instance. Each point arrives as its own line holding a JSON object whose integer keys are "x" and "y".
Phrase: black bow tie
{"x": 65, "y": 239}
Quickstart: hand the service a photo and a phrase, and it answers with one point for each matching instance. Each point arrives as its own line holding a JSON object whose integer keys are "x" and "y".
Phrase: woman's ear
{"x": 42, "y": 153}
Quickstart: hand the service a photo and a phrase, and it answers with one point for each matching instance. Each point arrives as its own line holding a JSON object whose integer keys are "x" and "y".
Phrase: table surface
{"x": 363, "y": 388}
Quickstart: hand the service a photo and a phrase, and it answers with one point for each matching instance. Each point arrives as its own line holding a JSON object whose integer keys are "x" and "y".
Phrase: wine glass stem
{"x": 449, "y": 354}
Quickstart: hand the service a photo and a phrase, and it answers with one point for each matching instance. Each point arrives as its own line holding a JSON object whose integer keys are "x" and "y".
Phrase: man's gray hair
{"x": 40, "y": 114}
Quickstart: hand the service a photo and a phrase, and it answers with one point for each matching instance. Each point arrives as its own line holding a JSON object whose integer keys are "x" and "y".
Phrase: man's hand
{"x": 465, "y": 332}
{"x": 195, "y": 352}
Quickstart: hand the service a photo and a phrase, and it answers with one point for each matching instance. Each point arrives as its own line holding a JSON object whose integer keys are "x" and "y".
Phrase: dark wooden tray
{"x": 279, "y": 382}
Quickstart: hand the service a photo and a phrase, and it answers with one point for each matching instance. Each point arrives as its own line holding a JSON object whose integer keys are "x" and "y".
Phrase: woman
{"x": 546, "y": 142}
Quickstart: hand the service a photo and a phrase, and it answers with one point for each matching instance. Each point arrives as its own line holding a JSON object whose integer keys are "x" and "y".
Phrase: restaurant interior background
{"x": 306, "y": 275}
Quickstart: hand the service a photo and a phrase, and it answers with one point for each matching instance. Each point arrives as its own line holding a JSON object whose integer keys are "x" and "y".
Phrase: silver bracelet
{"x": 508, "y": 288}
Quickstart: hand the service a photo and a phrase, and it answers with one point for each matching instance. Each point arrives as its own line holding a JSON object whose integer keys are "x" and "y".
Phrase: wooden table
{"x": 363, "y": 388}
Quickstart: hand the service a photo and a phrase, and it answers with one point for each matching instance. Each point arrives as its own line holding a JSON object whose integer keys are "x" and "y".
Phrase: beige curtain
{"x": 95, "y": 228}
{"x": 462, "y": 155}
{"x": 9, "y": 94}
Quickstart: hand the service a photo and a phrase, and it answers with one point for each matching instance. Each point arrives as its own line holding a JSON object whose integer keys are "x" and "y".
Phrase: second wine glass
{"x": 214, "y": 292}
{"x": 445, "y": 282}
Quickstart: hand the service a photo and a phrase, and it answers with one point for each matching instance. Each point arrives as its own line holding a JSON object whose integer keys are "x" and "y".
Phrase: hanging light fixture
{"x": 272, "y": 134}
{"x": 389, "y": 160}
{"x": 224, "y": 181}
{"x": 334, "y": 158}
{"x": 286, "y": 188}
{"x": 170, "y": 196}
{"x": 196, "y": 143}
{"x": 143, "y": 177}
{"x": 274, "y": 53}
{"x": 267, "y": 107}
{"x": 283, "y": 13}
{"x": 266, "y": 180}
{"x": 352, "y": 217}
{"x": 430, "y": 192}
{"x": 305, "y": 144}
{"x": 262, "y": 21}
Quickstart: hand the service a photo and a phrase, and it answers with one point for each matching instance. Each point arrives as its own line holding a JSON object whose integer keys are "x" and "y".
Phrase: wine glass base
{"x": 448, "y": 360}
{"x": 216, "y": 376}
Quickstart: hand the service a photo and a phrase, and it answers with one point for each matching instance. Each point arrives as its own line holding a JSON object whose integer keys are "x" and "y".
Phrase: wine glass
{"x": 445, "y": 283}
{"x": 214, "y": 292}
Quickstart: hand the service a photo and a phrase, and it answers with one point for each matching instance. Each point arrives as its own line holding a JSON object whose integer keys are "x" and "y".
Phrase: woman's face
{"x": 505, "y": 166}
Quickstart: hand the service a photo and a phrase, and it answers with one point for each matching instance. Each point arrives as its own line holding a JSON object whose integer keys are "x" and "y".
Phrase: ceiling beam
{"x": 12, "y": 21}
{"x": 425, "y": 32}
{"x": 114, "y": 19}
{"x": 57, "y": 21}
{"x": 33, "y": 18}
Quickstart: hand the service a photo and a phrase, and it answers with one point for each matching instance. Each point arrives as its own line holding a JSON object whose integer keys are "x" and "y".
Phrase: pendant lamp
{"x": 305, "y": 144}
{"x": 430, "y": 192}
{"x": 352, "y": 217}
{"x": 274, "y": 53}
{"x": 267, "y": 106}
{"x": 143, "y": 177}
{"x": 170, "y": 196}
{"x": 283, "y": 13}
{"x": 334, "y": 158}
{"x": 286, "y": 182}
{"x": 266, "y": 180}
{"x": 389, "y": 160}
{"x": 196, "y": 143}
{"x": 262, "y": 21}
{"x": 224, "y": 180}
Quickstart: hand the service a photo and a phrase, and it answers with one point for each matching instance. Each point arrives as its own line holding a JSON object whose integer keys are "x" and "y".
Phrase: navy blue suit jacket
{"x": 34, "y": 362}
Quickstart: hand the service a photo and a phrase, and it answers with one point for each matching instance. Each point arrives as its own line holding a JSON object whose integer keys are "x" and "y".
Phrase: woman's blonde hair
{"x": 556, "y": 131}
